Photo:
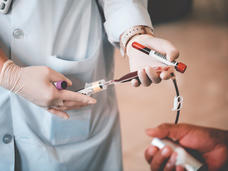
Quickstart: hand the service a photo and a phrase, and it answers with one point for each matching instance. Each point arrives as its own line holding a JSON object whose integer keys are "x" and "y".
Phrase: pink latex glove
{"x": 35, "y": 83}
{"x": 149, "y": 69}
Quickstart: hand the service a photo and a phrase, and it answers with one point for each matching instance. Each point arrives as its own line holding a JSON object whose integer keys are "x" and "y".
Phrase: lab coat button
{"x": 2, "y": 6}
{"x": 7, "y": 138}
{"x": 18, "y": 34}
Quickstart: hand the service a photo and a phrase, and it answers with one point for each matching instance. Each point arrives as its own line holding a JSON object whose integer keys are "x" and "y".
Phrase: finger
{"x": 61, "y": 114}
{"x": 166, "y": 73}
{"x": 175, "y": 132}
{"x": 171, "y": 162}
{"x": 76, "y": 97}
{"x": 160, "y": 159}
{"x": 150, "y": 152}
{"x": 73, "y": 104}
{"x": 57, "y": 102}
{"x": 135, "y": 83}
{"x": 164, "y": 47}
{"x": 64, "y": 108}
{"x": 70, "y": 105}
{"x": 179, "y": 168}
{"x": 144, "y": 79}
{"x": 172, "y": 54}
{"x": 147, "y": 156}
{"x": 56, "y": 76}
{"x": 153, "y": 75}
{"x": 158, "y": 69}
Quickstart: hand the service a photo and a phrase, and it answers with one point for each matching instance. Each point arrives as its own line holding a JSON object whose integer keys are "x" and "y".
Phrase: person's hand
{"x": 149, "y": 69}
{"x": 212, "y": 144}
{"x": 35, "y": 83}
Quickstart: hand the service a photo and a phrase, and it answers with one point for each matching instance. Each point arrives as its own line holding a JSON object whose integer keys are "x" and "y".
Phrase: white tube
{"x": 184, "y": 159}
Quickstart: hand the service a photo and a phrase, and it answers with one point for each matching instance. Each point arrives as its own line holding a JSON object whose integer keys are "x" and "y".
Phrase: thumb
{"x": 172, "y": 53}
{"x": 135, "y": 83}
{"x": 163, "y": 46}
{"x": 172, "y": 131}
{"x": 59, "y": 113}
{"x": 56, "y": 76}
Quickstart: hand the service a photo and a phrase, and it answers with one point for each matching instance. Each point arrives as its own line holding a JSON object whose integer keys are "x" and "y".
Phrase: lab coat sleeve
{"x": 121, "y": 15}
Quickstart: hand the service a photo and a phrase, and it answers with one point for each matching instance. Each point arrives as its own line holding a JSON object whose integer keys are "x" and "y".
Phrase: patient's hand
{"x": 211, "y": 143}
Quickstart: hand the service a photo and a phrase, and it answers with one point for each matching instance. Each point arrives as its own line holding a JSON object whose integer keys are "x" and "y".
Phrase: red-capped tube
{"x": 141, "y": 48}
{"x": 179, "y": 66}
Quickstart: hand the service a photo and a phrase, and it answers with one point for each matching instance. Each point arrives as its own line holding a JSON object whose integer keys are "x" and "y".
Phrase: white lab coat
{"x": 68, "y": 36}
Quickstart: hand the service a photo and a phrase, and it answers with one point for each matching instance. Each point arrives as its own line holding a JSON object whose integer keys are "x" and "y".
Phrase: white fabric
{"x": 121, "y": 15}
{"x": 67, "y": 36}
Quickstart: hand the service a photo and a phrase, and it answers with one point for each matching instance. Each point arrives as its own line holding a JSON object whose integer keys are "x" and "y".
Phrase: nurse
{"x": 42, "y": 42}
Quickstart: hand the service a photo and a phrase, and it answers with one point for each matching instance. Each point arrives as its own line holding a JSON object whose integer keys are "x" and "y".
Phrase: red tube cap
{"x": 181, "y": 67}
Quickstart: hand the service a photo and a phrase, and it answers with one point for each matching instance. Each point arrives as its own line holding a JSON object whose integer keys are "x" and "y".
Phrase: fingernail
{"x": 166, "y": 151}
{"x": 158, "y": 68}
{"x": 134, "y": 82}
{"x": 70, "y": 83}
{"x": 159, "y": 72}
{"x": 173, "y": 158}
{"x": 169, "y": 165}
{"x": 179, "y": 168}
{"x": 151, "y": 151}
{"x": 140, "y": 71}
{"x": 166, "y": 68}
{"x": 148, "y": 131}
{"x": 92, "y": 101}
{"x": 172, "y": 161}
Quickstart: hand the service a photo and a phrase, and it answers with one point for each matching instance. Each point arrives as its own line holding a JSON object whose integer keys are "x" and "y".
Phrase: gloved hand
{"x": 150, "y": 70}
{"x": 35, "y": 83}
{"x": 211, "y": 143}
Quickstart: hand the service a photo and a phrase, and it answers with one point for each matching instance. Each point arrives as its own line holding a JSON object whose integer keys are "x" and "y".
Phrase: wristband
{"x": 130, "y": 33}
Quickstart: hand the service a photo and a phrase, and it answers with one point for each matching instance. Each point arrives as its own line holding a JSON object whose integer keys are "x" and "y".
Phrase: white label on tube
{"x": 161, "y": 58}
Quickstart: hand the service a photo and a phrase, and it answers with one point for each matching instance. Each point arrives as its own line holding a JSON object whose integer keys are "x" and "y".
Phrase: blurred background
{"x": 199, "y": 29}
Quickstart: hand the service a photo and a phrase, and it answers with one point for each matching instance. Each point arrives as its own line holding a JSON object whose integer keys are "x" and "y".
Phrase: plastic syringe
{"x": 101, "y": 85}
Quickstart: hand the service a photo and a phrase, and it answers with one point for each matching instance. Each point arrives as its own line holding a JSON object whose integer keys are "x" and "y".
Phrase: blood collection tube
{"x": 60, "y": 85}
{"x": 179, "y": 66}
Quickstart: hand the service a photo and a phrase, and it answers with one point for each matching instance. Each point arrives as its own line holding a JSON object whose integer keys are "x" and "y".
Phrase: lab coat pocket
{"x": 35, "y": 124}
{"x": 71, "y": 67}
{"x": 81, "y": 69}
{"x": 85, "y": 64}
{"x": 73, "y": 130}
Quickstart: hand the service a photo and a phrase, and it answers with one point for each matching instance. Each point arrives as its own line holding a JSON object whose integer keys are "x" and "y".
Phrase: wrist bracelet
{"x": 130, "y": 33}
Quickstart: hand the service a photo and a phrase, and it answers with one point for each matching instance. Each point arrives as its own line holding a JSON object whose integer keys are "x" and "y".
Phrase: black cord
{"x": 178, "y": 94}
